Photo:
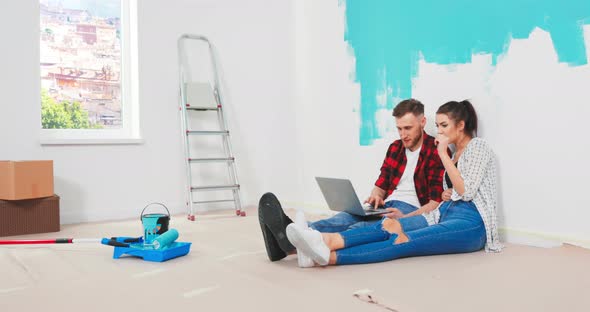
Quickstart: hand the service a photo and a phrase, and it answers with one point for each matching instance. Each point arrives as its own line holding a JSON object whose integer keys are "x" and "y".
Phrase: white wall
{"x": 328, "y": 124}
{"x": 102, "y": 182}
{"x": 533, "y": 111}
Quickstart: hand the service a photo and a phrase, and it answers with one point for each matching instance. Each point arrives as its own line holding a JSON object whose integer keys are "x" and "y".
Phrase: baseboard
{"x": 537, "y": 239}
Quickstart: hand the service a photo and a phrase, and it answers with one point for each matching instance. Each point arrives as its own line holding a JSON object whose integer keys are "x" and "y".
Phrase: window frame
{"x": 129, "y": 133}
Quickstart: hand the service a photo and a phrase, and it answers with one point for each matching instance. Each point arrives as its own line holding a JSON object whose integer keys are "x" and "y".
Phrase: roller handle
{"x": 120, "y": 241}
{"x": 37, "y": 241}
{"x": 113, "y": 241}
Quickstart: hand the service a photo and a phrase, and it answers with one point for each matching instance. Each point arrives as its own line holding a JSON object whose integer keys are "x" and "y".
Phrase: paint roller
{"x": 161, "y": 242}
{"x": 113, "y": 241}
{"x": 165, "y": 239}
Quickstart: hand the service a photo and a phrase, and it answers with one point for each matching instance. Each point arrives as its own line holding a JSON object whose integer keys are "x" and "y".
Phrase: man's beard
{"x": 413, "y": 144}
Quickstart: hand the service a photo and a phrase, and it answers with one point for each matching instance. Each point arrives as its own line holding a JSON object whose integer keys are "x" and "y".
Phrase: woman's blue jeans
{"x": 343, "y": 221}
{"x": 459, "y": 230}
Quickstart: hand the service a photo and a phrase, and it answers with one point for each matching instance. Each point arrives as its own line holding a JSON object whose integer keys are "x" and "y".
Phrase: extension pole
{"x": 50, "y": 241}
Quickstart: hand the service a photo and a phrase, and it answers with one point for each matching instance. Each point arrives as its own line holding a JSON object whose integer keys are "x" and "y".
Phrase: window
{"x": 88, "y": 66}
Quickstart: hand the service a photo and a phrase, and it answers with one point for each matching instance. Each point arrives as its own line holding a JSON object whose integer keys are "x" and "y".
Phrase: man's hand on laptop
{"x": 375, "y": 201}
{"x": 394, "y": 213}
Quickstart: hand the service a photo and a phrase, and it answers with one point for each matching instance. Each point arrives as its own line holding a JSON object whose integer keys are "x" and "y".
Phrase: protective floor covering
{"x": 227, "y": 270}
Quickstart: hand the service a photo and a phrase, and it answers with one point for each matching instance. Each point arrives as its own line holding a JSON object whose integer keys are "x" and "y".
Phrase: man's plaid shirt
{"x": 428, "y": 176}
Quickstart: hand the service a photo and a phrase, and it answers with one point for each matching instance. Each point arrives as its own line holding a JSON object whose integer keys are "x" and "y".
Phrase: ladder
{"x": 198, "y": 98}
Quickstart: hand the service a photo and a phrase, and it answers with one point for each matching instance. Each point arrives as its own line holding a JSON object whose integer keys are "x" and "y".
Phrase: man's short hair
{"x": 408, "y": 106}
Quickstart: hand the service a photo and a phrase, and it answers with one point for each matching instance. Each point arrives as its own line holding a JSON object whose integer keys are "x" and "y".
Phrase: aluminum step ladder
{"x": 199, "y": 98}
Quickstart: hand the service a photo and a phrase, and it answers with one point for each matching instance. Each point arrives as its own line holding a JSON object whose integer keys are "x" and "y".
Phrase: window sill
{"x": 127, "y": 136}
{"x": 91, "y": 141}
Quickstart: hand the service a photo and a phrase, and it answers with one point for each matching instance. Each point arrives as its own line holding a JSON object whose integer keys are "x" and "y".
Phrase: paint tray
{"x": 176, "y": 249}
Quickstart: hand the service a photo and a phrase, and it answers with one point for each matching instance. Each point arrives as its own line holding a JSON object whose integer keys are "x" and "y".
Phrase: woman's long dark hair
{"x": 461, "y": 111}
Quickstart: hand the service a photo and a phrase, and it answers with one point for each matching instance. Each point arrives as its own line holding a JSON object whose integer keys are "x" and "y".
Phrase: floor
{"x": 227, "y": 270}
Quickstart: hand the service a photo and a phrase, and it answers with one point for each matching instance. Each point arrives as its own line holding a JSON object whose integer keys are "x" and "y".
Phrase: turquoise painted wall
{"x": 389, "y": 37}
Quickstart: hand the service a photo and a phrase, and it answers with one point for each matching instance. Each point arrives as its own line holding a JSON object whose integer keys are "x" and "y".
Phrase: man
{"x": 410, "y": 183}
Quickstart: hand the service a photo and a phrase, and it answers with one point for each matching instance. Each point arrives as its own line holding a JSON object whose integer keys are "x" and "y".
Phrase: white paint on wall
{"x": 532, "y": 110}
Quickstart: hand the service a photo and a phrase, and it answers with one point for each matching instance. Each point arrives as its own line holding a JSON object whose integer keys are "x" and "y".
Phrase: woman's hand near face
{"x": 446, "y": 194}
{"x": 442, "y": 144}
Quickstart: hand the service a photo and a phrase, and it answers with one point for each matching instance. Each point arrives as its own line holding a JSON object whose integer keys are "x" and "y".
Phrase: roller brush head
{"x": 165, "y": 239}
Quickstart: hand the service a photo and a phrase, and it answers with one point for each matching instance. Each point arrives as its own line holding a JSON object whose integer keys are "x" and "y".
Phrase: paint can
{"x": 154, "y": 223}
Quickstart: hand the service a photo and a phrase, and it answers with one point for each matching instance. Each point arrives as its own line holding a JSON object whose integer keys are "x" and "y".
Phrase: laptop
{"x": 340, "y": 196}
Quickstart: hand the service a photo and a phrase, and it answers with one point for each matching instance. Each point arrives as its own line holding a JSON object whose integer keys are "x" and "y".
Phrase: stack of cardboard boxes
{"x": 27, "y": 202}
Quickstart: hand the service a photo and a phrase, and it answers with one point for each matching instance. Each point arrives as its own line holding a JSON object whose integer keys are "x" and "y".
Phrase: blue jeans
{"x": 459, "y": 230}
{"x": 343, "y": 221}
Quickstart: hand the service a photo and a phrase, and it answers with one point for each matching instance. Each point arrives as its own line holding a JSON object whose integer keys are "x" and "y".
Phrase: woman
{"x": 464, "y": 222}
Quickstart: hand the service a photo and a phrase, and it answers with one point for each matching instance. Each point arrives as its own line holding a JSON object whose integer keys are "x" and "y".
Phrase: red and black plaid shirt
{"x": 428, "y": 176}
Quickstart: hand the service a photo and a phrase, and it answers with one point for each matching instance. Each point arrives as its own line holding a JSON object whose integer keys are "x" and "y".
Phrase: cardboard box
{"x": 18, "y": 217}
{"x": 26, "y": 179}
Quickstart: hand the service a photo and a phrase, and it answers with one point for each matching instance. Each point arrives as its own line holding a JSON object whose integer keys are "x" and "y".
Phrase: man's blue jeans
{"x": 343, "y": 221}
{"x": 459, "y": 230}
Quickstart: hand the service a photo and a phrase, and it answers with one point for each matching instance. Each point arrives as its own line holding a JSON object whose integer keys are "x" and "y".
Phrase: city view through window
{"x": 80, "y": 59}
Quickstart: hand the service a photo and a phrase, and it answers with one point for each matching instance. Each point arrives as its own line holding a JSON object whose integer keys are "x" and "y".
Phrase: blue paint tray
{"x": 175, "y": 250}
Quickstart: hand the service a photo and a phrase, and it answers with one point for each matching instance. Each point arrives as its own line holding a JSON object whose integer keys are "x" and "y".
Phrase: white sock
{"x": 309, "y": 242}
{"x": 303, "y": 260}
